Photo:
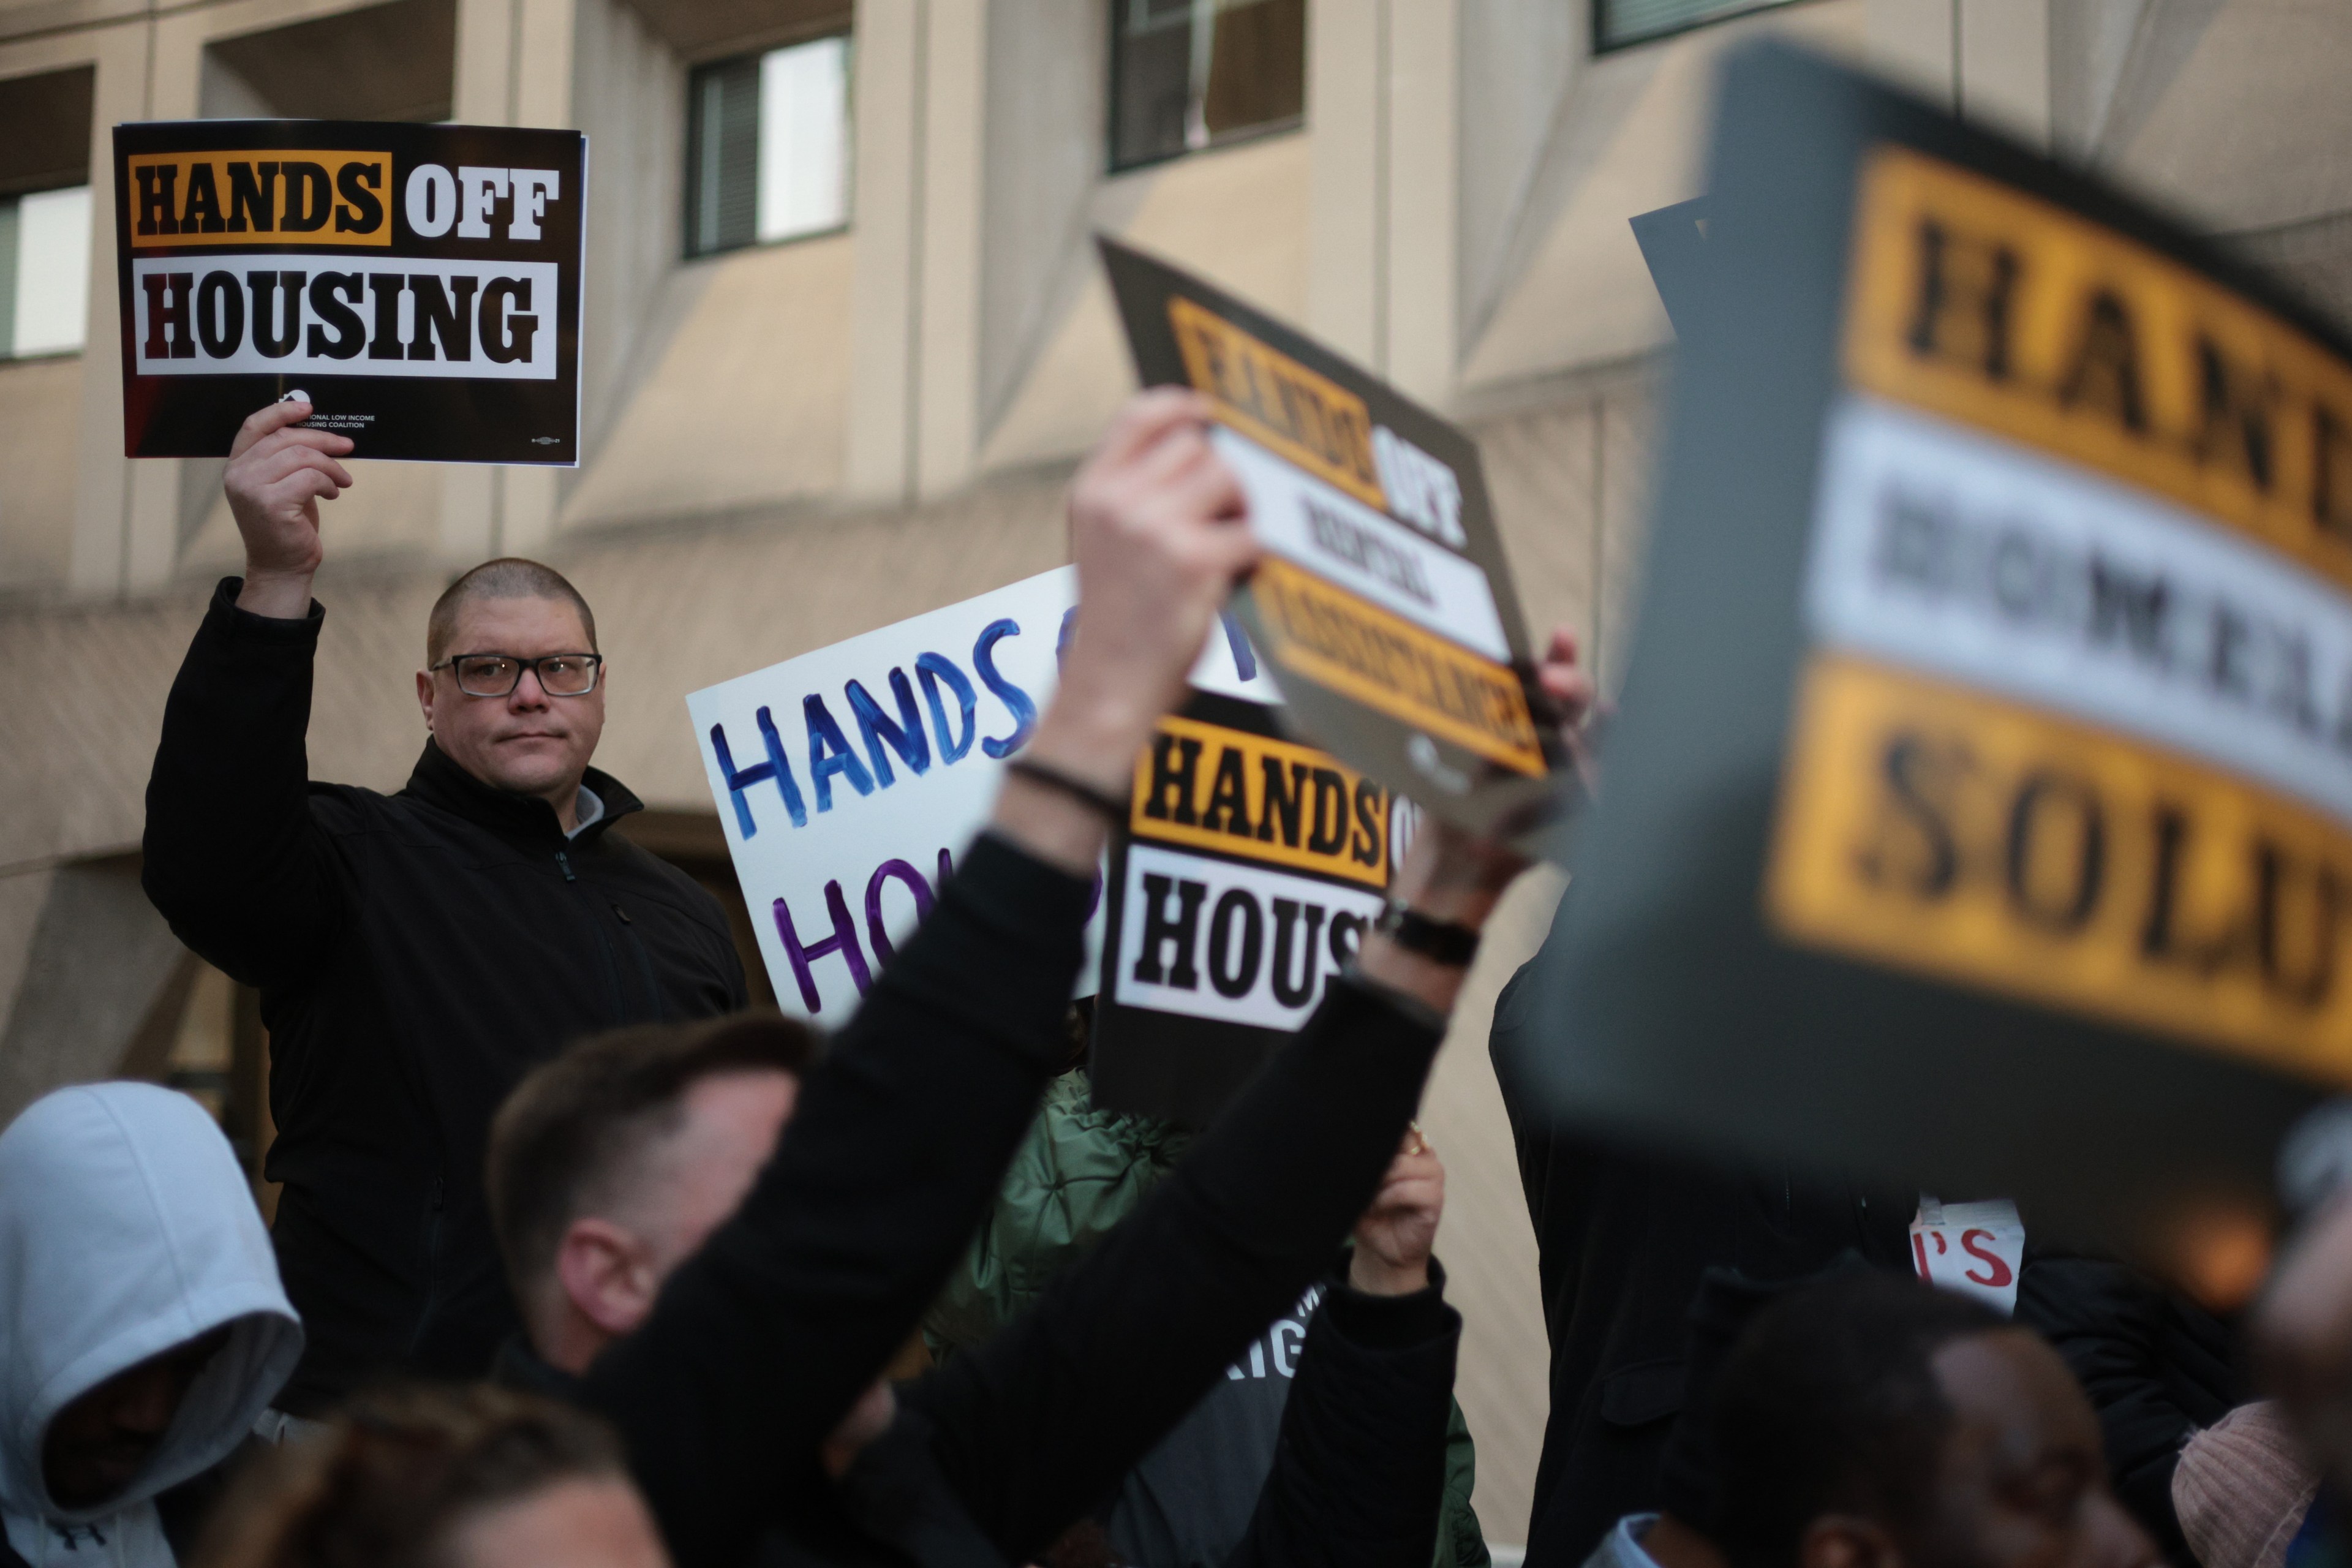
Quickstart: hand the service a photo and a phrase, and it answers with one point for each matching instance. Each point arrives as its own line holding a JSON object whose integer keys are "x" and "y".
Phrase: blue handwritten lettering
{"x": 893, "y": 870}
{"x": 1244, "y": 656}
{"x": 741, "y": 779}
{"x": 933, "y": 668}
{"x": 844, "y": 941}
{"x": 906, "y": 737}
{"x": 823, "y": 764}
{"x": 1016, "y": 701}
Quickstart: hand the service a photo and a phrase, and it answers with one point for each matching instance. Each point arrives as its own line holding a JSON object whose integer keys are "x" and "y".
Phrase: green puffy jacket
{"x": 1080, "y": 1172}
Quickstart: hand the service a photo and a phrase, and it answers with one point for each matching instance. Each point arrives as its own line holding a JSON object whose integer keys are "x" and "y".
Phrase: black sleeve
{"x": 232, "y": 858}
{"x": 1359, "y": 1477}
{"x": 1560, "y": 1172}
{"x": 762, "y": 1341}
{"x": 1040, "y": 1423}
{"x": 2107, "y": 1323}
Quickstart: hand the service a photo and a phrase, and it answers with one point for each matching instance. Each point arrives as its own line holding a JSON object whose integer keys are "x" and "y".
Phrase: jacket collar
{"x": 439, "y": 780}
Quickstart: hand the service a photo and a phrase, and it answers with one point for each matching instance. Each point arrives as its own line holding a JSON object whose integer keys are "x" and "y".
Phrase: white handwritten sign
{"x": 851, "y": 779}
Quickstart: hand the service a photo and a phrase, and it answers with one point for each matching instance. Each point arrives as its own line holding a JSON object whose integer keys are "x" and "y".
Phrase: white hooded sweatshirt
{"x": 126, "y": 1228}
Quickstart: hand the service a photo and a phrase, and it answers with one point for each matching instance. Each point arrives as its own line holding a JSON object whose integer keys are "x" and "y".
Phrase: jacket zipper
{"x": 603, "y": 944}
{"x": 645, "y": 964}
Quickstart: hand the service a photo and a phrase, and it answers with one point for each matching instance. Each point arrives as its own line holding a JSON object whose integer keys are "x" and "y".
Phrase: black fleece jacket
{"x": 761, "y": 1342}
{"x": 416, "y": 954}
{"x": 1359, "y": 1477}
{"x": 1623, "y": 1235}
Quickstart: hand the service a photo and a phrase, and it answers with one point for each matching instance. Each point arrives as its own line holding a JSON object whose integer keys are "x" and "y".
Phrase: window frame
{"x": 9, "y": 354}
{"x": 1598, "y": 36}
{"x": 688, "y": 185}
{"x": 1113, "y": 168}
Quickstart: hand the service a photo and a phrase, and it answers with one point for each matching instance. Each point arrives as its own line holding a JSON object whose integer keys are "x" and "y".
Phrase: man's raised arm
{"x": 761, "y": 1341}
{"x": 232, "y": 858}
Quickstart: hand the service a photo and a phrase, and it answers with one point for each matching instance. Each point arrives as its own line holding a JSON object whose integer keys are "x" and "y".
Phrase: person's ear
{"x": 607, "y": 1273}
{"x": 1847, "y": 1540}
{"x": 424, "y": 696}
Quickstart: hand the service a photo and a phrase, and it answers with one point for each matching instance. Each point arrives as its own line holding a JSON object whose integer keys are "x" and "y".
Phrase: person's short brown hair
{"x": 395, "y": 1472}
{"x": 509, "y": 578}
{"x": 568, "y": 1136}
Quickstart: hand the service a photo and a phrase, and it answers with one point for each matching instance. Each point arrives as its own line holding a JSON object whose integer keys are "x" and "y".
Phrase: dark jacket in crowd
{"x": 416, "y": 954}
{"x": 762, "y": 1341}
{"x": 2157, "y": 1368}
{"x": 1080, "y": 1172}
{"x": 1622, "y": 1235}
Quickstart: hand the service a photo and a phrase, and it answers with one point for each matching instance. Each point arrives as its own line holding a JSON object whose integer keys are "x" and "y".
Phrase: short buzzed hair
{"x": 566, "y": 1139}
{"x": 1830, "y": 1404}
{"x": 509, "y": 578}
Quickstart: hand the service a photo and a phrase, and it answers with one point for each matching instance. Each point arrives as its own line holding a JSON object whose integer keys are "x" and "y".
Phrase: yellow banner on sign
{"x": 1937, "y": 830}
{"x": 300, "y": 197}
{"x": 1357, "y": 649}
{"x": 1974, "y": 300}
{"x": 1273, "y": 400}
{"x": 1216, "y": 788}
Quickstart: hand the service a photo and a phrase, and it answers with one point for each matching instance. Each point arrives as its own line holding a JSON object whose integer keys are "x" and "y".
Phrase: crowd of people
{"x": 578, "y": 1261}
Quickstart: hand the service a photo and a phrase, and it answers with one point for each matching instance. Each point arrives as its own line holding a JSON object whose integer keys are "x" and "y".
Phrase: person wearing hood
{"x": 142, "y": 1326}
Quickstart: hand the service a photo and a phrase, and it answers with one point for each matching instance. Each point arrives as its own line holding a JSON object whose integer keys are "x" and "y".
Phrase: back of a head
{"x": 1830, "y": 1404}
{"x": 509, "y": 578}
{"x": 139, "y": 1235}
{"x": 393, "y": 1478}
{"x": 571, "y": 1134}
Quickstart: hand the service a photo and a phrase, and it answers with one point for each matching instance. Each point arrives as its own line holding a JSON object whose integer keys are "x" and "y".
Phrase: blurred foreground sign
{"x": 421, "y": 283}
{"x": 1981, "y": 807}
{"x": 1384, "y": 605}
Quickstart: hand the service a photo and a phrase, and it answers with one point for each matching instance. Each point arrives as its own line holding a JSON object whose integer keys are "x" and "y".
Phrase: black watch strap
{"x": 1440, "y": 941}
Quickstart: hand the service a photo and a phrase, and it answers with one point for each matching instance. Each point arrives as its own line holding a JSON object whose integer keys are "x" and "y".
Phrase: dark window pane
{"x": 1188, "y": 74}
{"x": 722, "y": 156}
{"x": 1257, "y": 70}
{"x": 1616, "y": 23}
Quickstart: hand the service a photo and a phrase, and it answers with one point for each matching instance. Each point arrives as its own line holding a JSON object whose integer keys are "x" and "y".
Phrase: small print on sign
{"x": 1974, "y": 1249}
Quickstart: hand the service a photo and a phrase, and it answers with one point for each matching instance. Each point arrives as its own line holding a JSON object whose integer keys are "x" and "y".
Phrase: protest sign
{"x": 419, "y": 284}
{"x": 849, "y": 781}
{"x": 1978, "y": 1249}
{"x": 1979, "y": 809}
{"x": 1251, "y": 867}
{"x": 1384, "y": 607}
{"x": 1674, "y": 246}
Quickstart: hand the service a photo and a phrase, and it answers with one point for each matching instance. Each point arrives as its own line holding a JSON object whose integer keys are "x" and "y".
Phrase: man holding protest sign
{"x": 416, "y": 953}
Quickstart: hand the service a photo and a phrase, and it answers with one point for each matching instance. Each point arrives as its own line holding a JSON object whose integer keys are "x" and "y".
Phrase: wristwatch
{"x": 1440, "y": 941}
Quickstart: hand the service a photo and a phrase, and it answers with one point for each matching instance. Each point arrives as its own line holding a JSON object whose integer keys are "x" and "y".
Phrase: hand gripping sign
{"x": 419, "y": 284}
{"x": 1982, "y": 807}
{"x": 1384, "y": 609}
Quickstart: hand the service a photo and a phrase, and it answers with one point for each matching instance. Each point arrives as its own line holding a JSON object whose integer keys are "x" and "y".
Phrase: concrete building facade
{"x": 788, "y": 443}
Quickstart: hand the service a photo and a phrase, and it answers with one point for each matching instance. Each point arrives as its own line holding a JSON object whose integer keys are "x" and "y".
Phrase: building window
{"x": 1189, "y": 74}
{"x": 767, "y": 147}
{"x": 1617, "y": 23}
{"x": 44, "y": 272}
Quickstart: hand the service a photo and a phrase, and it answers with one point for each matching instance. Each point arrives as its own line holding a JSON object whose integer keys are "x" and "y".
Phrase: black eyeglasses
{"x": 497, "y": 674}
